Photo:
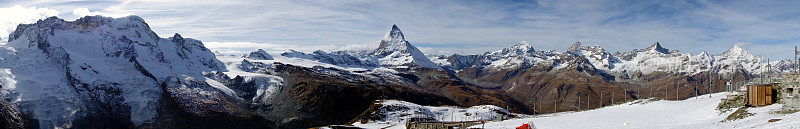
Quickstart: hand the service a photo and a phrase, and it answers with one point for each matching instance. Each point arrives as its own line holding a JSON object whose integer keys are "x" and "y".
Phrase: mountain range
{"x": 100, "y": 72}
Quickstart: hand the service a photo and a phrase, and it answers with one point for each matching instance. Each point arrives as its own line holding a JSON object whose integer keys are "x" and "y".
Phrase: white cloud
{"x": 246, "y": 47}
{"x": 10, "y": 17}
{"x": 80, "y": 12}
{"x": 742, "y": 44}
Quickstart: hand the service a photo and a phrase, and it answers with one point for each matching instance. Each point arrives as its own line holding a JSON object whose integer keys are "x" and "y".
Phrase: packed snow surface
{"x": 398, "y": 112}
{"x": 693, "y": 113}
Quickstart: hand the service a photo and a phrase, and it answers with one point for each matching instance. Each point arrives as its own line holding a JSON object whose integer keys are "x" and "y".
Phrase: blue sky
{"x": 770, "y": 28}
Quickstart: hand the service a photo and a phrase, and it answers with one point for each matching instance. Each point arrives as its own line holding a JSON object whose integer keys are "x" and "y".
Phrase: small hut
{"x": 760, "y": 95}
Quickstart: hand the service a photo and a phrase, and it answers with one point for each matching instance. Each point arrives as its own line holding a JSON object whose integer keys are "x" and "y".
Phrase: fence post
{"x": 601, "y": 100}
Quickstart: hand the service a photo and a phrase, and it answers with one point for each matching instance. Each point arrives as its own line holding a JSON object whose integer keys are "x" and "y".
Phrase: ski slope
{"x": 697, "y": 112}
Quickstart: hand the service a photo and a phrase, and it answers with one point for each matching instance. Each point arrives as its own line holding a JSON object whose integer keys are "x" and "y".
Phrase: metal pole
{"x": 612, "y": 97}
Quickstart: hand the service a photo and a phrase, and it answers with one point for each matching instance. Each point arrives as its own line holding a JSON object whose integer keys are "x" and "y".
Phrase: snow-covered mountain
{"x": 783, "y": 66}
{"x": 66, "y": 74}
{"x": 340, "y": 58}
{"x": 103, "y": 68}
{"x": 652, "y": 59}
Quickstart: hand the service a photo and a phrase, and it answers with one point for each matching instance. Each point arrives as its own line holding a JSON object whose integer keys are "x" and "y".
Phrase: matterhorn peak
{"x": 393, "y": 41}
{"x": 395, "y": 44}
{"x": 657, "y": 48}
{"x": 394, "y": 34}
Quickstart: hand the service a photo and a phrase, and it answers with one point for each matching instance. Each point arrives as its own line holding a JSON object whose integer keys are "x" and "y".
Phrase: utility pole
{"x": 676, "y": 91}
{"x": 761, "y": 63}
{"x": 651, "y": 91}
{"x": 624, "y": 95}
{"x": 555, "y": 106}
{"x": 579, "y": 103}
{"x": 612, "y": 97}
{"x": 796, "y": 63}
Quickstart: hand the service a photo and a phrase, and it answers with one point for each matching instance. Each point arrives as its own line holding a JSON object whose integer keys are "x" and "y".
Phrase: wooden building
{"x": 760, "y": 95}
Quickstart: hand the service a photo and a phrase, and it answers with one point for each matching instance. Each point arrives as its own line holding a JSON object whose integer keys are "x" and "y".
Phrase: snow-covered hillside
{"x": 692, "y": 113}
{"x": 397, "y": 113}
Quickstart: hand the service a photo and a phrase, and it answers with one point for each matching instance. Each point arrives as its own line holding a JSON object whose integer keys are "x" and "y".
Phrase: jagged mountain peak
{"x": 260, "y": 54}
{"x": 394, "y": 51}
{"x": 735, "y": 48}
{"x": 737, "y": 51}
{"x": 575, "y": 46}
{"x": 704, "y": 54}
{"x": 578, "y": 47}
{"x": 656, "y": 47}
{"x": 524, "y": 46}
{"x": 179, "y": 39}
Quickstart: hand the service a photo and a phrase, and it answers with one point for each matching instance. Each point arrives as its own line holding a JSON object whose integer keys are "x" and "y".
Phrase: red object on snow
{"x": 524, "y": 126}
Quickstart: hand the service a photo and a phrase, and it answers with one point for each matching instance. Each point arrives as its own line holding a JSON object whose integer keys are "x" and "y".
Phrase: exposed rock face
{"x": 10, "y": 116}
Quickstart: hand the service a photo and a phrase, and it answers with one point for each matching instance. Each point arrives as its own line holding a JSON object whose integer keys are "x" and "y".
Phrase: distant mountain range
{"x": 100, "y": 72}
